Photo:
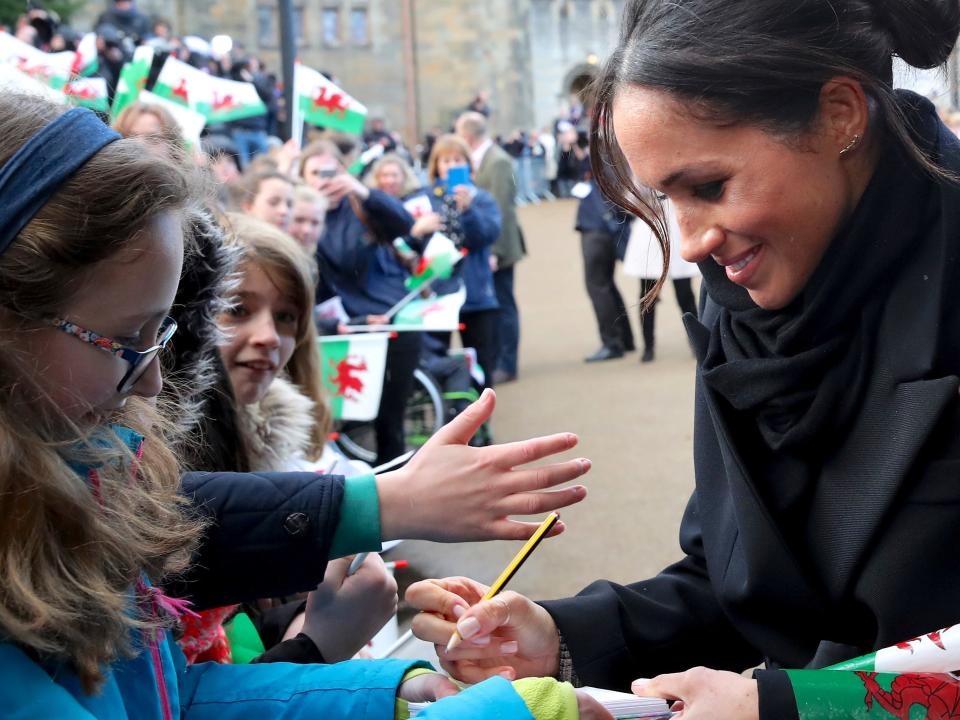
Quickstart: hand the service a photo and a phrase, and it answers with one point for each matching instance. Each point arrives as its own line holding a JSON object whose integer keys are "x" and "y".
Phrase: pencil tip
{"x": 454, "y": 641}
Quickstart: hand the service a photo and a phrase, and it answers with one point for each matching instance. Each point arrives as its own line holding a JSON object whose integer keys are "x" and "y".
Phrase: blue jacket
{"x": 596, "y": 213}
{"x": 357, "y": 689}
{"x": 479, "y": 229}
{"x": 363, "y": 272}
{"x": 493, "y": 698}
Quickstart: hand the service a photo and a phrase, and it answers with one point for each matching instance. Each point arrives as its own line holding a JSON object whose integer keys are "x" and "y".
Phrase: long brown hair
{"x": 289, "y": 268}
{"x": 68, "y": 560}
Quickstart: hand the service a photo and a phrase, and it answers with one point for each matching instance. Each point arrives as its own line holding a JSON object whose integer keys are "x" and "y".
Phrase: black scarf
{"x": 798, "y": 373}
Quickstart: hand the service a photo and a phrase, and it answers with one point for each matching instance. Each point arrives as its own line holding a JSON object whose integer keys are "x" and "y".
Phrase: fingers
{"x": 538, "y": 503}
{"x": 473, "y": 674}
{"x": 672, "y": 686}
{"x": 432, "y": 628}
{"x": 517, "y": 530}
{"x": 463, "y": 427}
{"x": 445, "y": 596}
{"x": 487, "y": 616}
{"x": 513, "y": 454}
{"x": 336, "y": 572}
{"x": 547, "y": 476}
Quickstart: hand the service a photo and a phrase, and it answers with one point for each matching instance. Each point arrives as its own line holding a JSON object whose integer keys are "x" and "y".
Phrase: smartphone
{"x": 328, "y": 172}
{"x": 458, "y": 175}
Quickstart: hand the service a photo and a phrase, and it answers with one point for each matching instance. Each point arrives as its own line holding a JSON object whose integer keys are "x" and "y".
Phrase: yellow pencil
{"x": 513, "y": 567}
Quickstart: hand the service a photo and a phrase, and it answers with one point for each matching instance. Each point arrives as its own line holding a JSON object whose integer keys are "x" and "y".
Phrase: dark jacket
{"x": 495, "y": 175}
{"x": 363, "y": 270}
{"x": 596, "y": 213}
{"x": 270, "y": 535}
{"x": 867, "y": 564}
{"x": 478, "y": 227}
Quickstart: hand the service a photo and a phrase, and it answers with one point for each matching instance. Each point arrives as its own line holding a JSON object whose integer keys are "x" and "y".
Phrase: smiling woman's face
{"x": 760, "y": 207}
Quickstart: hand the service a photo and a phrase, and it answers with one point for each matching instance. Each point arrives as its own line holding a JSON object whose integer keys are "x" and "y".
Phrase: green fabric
{"x": 548, "y": 699}
{"x": 358, "y": 529}
{"x": 245, "y": 642}
{"x": 840, "y": 695}
{"x": 402, "y": 711}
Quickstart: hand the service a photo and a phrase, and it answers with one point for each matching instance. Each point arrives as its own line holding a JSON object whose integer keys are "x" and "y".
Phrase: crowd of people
{"x": 179, "y": 539}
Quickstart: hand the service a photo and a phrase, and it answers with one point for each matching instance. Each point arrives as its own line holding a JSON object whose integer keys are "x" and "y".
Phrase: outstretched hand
{"x": 451, "y": 492}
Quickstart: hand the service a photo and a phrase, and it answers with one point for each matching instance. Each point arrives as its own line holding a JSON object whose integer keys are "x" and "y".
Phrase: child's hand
{"x": 450, "y": 492}
{"x": 428, "y": 687}
{"x": 590, "y": 708}
{"x": 343, "y": 613}
{"x": 703, "y": 694}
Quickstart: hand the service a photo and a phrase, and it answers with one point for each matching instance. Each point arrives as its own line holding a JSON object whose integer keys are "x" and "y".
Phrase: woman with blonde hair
{"x": 143, "y": 119}
{"x": 392, "y": 174}
{"x": 469, "y": 216}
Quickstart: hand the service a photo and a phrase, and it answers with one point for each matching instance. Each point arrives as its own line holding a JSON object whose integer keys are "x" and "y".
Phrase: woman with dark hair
{"x": 823, "y": 209}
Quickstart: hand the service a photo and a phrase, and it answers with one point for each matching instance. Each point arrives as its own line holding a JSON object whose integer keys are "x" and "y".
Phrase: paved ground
{"x": 634, "y": 422}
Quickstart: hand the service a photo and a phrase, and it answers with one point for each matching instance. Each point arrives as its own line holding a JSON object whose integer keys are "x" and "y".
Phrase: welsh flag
{"x": 437, "y": 263}
{"x": 51, "y": 69}
{"x": 86, "y": 60}
{"x": 320, "y": 102}
{"x": 440, "y": 313}
{"x": 418, "y": 206}
{"x": 217, "y": 99}
{"x": 88, "y": 92}
{"x": 353, "y": 367}
{"x": 133, "y": 80}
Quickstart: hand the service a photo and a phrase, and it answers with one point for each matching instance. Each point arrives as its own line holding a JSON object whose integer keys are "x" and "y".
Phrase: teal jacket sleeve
{"x": 358, "y": 527}
{"x": 27, "y": 691}
{"x": 357, "y": 689}
{"x": 493, "y": 698}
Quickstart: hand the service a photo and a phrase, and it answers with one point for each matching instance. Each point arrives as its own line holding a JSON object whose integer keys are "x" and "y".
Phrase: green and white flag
{"x": 133, "y": 80}
{"x": 936, "y": 652}
{"x": 50, "y": 69}
{"x": 217, "y": 99}
{"x": 321, "y": 102}
{"x": 86, "y": 60}
{"x": 353, "y": 367}
{"x": 437, "y": 263}
{"x": 440, "y": 313}
{"x": 89, "y": 93}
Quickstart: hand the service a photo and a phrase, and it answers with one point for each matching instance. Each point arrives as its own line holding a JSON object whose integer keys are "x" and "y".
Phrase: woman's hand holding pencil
{"x": 509, "y": 635}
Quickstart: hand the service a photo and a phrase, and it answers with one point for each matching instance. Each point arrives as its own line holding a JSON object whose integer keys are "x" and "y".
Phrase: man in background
{"x": 494, "y": 173}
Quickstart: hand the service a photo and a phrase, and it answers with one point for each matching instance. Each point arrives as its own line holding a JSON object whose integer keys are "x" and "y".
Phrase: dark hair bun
{"x": 923, "y": 32}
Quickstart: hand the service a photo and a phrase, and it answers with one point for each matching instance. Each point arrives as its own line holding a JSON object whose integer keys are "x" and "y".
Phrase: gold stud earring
{"x": 851, "y": 145}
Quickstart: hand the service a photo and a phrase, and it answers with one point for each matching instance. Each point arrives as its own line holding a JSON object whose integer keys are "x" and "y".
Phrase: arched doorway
{"x": 575, "y": 89}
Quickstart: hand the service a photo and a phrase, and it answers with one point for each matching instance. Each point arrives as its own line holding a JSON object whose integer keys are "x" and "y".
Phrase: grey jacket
{"x": 495, "y": 175}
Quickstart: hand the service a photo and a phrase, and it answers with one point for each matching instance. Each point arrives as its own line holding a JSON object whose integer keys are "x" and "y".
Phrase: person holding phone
{"x": 470, "y": 217}
{"x": 357, "y": 261}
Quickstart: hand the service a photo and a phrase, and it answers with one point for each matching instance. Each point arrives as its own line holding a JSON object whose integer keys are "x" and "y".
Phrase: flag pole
{"x": 288, "y": 45}
{"x": 407, "y": 299}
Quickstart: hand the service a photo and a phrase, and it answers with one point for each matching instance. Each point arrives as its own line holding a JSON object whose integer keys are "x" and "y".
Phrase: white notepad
{"x": 623, "y": 706}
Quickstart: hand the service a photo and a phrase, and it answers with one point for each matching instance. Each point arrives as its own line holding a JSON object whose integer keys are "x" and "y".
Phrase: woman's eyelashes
{"x": 710, "y": 192}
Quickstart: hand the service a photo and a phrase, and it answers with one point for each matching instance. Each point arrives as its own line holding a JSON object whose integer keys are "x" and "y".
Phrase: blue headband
{"x": 31, "y": 177}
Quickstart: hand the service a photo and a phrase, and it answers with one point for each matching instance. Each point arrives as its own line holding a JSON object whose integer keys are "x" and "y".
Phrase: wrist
{"x": 361, "y": 191}
{"x": 395, "y": 505}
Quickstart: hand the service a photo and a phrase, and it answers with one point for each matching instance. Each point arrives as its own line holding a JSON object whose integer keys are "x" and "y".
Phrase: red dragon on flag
{"x": 332, "y": 104}
{"x": 349, "y": 385}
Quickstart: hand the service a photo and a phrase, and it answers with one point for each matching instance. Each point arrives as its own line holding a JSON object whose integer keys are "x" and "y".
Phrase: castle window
{"x": 359, "y": 26}
{"x": 331, "y": 26}
{"x": 268, "y": 26}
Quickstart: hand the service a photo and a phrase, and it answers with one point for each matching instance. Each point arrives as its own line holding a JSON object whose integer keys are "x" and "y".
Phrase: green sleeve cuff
{"x": 358, "y": 529}
{"x": 548, "y": 699}
{"x": 402, "y": 710}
